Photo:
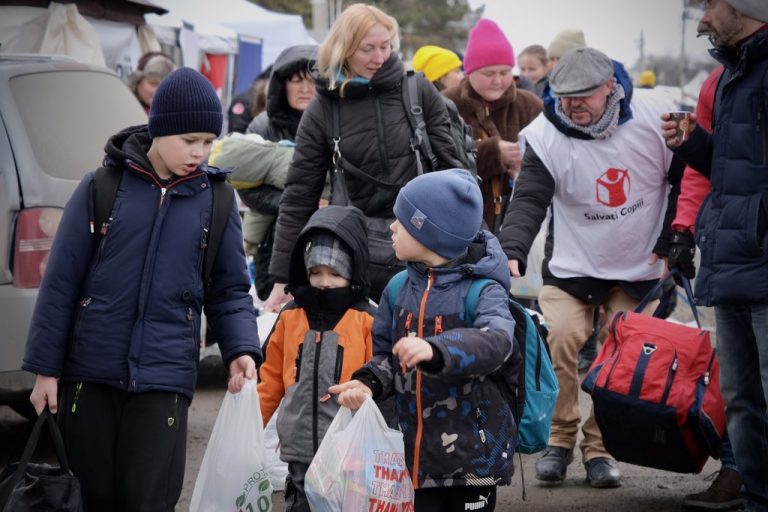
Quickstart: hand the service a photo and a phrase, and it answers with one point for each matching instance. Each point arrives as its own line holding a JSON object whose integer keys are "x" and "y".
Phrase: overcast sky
{"x": 612, "y": 26}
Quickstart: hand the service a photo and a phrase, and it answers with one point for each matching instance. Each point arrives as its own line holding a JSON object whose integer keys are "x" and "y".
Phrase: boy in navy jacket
{"x": 458, "y": 429}
{"x": 115, "y": 335}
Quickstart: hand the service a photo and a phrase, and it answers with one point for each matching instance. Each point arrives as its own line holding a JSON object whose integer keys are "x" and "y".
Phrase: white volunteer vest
{"x": 610, "y": 195}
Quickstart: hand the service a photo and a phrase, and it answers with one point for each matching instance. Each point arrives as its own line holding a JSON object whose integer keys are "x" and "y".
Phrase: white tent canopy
{"x": 276, "y": 30}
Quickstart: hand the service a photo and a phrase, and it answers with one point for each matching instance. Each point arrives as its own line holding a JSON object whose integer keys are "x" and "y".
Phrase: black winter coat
{"x": 375, "y": 137}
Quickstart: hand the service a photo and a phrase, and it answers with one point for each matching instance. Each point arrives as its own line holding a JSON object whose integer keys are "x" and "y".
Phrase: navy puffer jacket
{"x": 128, "y": 314}
{"x": 732, "y": 226}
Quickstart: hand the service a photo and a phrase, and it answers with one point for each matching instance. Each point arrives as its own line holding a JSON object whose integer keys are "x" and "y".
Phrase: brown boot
{"x": 723, "y": 494}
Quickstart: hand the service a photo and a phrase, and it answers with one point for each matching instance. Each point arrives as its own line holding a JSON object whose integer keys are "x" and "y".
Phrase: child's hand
{"x": 277, "y": 298}
{"x": 352, "y": 394}
{"x": 240, "y": 369}
{"x": 412, "y": 350}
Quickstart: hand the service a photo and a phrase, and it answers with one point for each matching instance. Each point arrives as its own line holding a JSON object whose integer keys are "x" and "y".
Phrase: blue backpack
{"x": 532, "y": 398}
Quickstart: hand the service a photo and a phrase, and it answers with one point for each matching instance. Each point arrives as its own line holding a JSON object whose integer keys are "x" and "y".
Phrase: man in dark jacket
{"x": 594, "y": 157}
{"x": 732, "y": 227}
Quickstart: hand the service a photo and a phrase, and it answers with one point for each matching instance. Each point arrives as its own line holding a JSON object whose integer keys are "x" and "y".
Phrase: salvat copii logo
{"x": 612, "y": 187}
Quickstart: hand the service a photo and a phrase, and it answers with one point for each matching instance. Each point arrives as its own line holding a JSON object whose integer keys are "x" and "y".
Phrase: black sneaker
{"x": 552, "y": 464}
{"x": 602, "y": 473}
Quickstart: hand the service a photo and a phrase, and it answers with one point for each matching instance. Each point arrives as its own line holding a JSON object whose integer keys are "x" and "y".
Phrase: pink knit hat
{"x": 487, "y": 46}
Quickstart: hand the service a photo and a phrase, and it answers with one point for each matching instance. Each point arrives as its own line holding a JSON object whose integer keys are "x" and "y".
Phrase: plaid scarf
{"x": 607, "y": 124}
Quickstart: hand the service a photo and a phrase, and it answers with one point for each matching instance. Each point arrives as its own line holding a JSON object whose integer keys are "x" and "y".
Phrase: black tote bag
{"x": 30, "y": 487}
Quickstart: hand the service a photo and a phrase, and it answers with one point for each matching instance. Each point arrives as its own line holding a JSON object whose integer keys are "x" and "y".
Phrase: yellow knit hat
{"x": 435, "y": 62}
{"x": 647, "y": 79}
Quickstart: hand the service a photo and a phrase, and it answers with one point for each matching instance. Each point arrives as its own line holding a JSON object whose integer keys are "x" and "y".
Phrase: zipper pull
{"x": 480, "y": 430}
{"x": 86, "y": 302}
{"x": 105, "y": 227}
{"x": 204, "y": 240}
{"x": 189, "y": 313}
{"x": 163, "y": 190}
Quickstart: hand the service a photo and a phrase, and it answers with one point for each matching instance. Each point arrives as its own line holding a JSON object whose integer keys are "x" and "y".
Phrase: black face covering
{"x": 329, "y": 300}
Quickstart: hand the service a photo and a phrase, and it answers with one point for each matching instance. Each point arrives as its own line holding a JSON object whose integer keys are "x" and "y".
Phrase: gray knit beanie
{"x": 325, "y": 248}
{"x": 565, "y": 40}
{"x": 755, "y": 9}
{"x": 185, "y": 102}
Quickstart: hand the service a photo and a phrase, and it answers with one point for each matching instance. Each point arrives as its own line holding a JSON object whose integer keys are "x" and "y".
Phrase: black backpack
{"x": 461, "y": 132}
{"x": 107, "y": 179}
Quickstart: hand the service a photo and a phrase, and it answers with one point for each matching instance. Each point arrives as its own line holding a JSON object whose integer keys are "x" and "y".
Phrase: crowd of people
{"x": 569, "y": 145}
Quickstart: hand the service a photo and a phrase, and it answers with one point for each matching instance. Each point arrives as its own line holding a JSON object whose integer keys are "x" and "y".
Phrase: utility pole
{"x": 682, "y": 54}
{"x": 642, "y": 51}
{"x": 324, "y": 13}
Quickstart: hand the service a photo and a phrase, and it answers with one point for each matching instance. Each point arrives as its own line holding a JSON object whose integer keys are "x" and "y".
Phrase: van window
{"x": 68, "y": 135}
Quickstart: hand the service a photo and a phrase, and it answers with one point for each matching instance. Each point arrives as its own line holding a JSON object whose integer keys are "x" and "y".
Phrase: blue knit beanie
{"x": 185, "y": 102}
{"x": 443, "y": 210}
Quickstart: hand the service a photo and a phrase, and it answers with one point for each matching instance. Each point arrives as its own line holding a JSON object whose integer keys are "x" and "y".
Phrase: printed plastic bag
{"x": 233, "y": 474}
{"x": 360, "y": 465}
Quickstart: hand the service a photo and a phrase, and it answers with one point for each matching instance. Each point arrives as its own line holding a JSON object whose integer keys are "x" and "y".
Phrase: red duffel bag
{"x": 655, "y": 387}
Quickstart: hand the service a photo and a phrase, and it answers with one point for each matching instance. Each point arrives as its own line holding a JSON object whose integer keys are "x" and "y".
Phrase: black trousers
{"x": 295, "y": 497}
{"x": 128, "y": 449}
{"x": 455, "y": 499}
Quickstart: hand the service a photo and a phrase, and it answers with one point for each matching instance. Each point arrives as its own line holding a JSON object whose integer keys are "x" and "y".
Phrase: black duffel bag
{"x": 29, "y": 487}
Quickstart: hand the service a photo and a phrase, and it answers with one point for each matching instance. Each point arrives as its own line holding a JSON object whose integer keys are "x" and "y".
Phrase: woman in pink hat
{"x": 497, "y": 110}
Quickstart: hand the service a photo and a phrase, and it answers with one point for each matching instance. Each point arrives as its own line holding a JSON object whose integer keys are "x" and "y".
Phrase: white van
{"x": 55, "y": 117}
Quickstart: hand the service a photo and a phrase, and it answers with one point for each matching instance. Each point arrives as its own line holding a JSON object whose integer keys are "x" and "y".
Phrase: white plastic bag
{"x": 360, "y": 465}
{"x": 232, "y": 476}
{"x": 276, "y": 468}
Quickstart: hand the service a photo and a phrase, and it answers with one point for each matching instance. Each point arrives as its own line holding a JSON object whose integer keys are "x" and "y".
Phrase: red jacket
{"x": 695, "y": 186}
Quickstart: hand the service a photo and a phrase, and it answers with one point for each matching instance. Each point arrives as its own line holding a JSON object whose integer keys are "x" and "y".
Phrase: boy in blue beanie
{"x": 115, "y": 334}
{"x": 458, "y": 429}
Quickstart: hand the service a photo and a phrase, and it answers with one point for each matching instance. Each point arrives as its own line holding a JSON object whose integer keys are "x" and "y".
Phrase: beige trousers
{"x": 570, "y": 322}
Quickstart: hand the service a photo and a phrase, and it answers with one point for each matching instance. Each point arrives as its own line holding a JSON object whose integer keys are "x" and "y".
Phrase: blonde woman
{"x": 361, "y": 74}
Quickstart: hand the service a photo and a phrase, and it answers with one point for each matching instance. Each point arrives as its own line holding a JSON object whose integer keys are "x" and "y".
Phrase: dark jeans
{"x": 295, "y": 499}
{"x": 128, "y": 449}
{"x": 455, "y": 499}
{"x": 742, "y": 346}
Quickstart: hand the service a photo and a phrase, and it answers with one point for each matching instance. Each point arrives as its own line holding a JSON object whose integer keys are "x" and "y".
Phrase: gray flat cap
{"x": 580, "y": 72}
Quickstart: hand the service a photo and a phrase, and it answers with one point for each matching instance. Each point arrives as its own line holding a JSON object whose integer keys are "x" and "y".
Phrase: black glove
{"x": 682, "y": 248}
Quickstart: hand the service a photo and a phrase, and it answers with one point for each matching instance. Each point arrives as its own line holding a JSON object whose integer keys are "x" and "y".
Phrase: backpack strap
{"x": 411, "y": 91}
{"x": 394, "y": 286}
{"x": 106, "y": 181}
{"x": 104, "y": 185}
{"x": 223, "y": 196}
{"x": 473, "y": 294}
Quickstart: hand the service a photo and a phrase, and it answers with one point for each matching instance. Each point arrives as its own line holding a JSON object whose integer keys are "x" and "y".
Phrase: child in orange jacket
{"x": 319, "y": 339}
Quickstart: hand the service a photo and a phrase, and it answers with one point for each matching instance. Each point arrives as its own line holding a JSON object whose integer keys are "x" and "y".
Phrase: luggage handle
{"x": 663, "y": 279}
{"x": 29, "y": 449}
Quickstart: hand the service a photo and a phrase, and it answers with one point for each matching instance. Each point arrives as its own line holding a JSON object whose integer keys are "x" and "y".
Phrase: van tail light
{"x": 35, "y": 229}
